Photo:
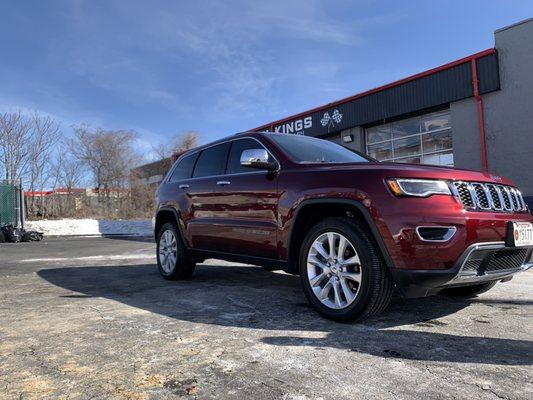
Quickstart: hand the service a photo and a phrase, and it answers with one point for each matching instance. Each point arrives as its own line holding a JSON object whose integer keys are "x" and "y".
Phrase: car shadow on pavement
{"x": 253, "y": 298}
{"x": 132, "y": 238}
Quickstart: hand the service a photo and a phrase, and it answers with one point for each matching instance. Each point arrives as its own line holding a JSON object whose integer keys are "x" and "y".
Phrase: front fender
{"x": 365, "y": 210}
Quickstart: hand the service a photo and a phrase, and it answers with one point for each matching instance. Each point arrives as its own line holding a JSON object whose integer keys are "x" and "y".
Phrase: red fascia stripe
{"x": 452, "y": 64}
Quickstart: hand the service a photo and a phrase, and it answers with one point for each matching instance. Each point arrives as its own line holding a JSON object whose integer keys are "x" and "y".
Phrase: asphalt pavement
{"x": 90, "y": 318}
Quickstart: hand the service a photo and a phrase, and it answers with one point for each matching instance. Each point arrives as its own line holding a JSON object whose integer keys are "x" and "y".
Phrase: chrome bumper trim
{"x": 451, "y": 230}
{"x": 473, "y": 277}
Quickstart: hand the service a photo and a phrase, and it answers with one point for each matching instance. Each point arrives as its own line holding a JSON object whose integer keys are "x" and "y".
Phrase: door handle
{"x": 223, "y": 183}
{"x": 184, "y": 186}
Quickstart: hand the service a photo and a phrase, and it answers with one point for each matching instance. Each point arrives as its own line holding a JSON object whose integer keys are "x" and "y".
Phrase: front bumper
{"x": 479, "y": 263}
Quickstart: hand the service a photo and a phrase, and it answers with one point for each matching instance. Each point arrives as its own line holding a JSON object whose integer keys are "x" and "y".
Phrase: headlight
{"x": 418, "y": 187}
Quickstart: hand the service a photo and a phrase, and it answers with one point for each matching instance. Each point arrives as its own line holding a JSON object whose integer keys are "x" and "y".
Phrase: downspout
{"x": 480, "y": 117}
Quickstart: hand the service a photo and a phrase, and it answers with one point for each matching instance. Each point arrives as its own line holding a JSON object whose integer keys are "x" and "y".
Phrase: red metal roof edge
{"x": 71, "y": 190}
{"x": 111, "y": 190}
{"x": 39, "y": 193}
{"x": 384, "y": 87}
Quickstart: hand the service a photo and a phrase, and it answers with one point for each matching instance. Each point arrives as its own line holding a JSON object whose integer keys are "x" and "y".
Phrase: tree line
{"x": 35, "y": 151}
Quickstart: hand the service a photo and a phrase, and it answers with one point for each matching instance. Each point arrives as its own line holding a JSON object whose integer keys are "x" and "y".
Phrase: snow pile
{"x": 82, "y": 227}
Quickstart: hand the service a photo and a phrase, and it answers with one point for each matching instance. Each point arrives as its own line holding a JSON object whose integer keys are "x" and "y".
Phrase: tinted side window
{"x": 184, "y": 168}
{"x": 212, "y": 161}
{"x": 234, "y": 160}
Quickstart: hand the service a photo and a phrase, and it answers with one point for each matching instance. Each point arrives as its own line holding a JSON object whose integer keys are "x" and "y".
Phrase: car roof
{"x": 225, "y": 139}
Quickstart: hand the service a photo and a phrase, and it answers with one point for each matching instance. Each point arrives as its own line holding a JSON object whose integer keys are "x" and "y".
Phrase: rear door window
{"x": 212, "y": 161}
{"x": 184, "y": 168}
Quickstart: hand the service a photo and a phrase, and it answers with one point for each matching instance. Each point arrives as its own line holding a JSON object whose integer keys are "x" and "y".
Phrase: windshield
{"x": 305, "y": 149}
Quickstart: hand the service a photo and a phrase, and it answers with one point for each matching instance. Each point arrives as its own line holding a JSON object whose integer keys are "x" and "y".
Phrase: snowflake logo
{"x": 331, "y": 120}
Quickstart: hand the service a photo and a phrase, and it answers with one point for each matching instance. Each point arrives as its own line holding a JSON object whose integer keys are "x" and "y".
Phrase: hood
{"x": 401, "y": 170}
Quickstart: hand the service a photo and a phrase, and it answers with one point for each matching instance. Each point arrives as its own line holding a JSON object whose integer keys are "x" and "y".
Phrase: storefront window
{"x": 425, "y": 139}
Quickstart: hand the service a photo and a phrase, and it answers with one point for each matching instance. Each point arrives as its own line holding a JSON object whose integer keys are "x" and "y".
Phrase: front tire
{"x": 173, "y": 261}
{"x": 341, "y": 272}
{"x": 468, "y": 291}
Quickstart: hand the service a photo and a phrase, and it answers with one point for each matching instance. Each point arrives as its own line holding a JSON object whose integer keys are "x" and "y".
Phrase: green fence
{"x": 11, "y": 204}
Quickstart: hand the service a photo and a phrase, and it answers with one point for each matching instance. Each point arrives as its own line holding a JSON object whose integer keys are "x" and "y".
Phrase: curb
{"x": 104, "y": 235}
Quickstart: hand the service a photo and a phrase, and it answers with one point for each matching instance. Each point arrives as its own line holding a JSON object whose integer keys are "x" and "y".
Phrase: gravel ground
{"x": 91, "y": 318}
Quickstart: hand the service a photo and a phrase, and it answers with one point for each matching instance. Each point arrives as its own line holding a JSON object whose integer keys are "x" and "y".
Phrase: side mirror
{"x": 257, "y": 158}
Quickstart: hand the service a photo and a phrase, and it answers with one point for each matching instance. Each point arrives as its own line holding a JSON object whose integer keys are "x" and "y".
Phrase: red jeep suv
{"x": 351, "y": 227}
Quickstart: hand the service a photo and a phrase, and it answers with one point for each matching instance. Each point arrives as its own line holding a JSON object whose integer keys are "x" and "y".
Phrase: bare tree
{"x": 65, "y": 172}
{"x": 161, "y": 150}
{"x": 70, "y": 173}
{"x": 177, "y": 144}
{"x": 46, "y": 134}
{"x": 15, "y": 145}
{"x": 186, "y": 141}
{"x": 108, "y": 155}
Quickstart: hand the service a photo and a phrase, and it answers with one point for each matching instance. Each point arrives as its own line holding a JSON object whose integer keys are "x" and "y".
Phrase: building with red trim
{"x": 474, "y": 113}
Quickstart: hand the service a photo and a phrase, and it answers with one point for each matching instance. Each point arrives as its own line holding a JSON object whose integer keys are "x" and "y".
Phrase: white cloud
{"x": 229, "y": 43}
{"x": 226, "y": 61}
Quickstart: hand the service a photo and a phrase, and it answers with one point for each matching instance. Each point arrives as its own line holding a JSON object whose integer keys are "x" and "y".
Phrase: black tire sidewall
{"x": 354, "y": 236}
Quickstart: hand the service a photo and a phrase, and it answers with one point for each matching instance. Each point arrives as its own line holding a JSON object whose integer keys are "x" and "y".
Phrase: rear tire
{"x": 173, "y": 261}
{"x": 468, "y": 291}
{"x": 360, "y": 285}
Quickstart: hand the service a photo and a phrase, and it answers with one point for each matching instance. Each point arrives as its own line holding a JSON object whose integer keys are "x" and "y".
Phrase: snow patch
{"x": 92, "y": 258}
{"x": 83, "y": 227}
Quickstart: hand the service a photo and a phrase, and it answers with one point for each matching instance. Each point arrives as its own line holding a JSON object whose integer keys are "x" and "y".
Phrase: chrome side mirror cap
{"x": 257, "y": 158}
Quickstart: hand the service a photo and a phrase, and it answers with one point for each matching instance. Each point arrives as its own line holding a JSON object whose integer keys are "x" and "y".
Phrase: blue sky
{"x": 218, "y": 67}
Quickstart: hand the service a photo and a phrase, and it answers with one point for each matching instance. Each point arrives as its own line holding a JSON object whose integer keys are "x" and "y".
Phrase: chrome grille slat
{"x": 464, "y": 194}
{"x": 480, "y": 196}
{"x": 495, "y": 196}
{"x": 482, "y": 199}
{"x": 506, "y": 199}
{"x": 488, "y": 195}
{"x": 521, "y": 199}
{"x": 513, "y": 200}
{"x": 473, "y": 194}
{"x": 500, "y": 196}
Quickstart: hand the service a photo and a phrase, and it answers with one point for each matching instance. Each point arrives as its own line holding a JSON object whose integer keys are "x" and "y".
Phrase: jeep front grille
{"x": 479, "y": 196}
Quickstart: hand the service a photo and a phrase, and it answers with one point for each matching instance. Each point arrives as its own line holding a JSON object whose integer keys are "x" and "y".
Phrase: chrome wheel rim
{"x": 168, "y": 251}
{"x": 334, "y": 270}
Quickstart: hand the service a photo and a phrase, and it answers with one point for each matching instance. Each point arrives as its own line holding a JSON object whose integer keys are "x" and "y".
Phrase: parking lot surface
{"x": 90, "y": 318}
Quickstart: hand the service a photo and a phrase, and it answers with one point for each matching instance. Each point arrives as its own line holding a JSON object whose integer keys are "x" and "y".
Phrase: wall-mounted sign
{"x": 412, "y": 95}
{"x": 313, "y": 125}
{"x": 330, "y": 121}
{"x": 297, "y": 126}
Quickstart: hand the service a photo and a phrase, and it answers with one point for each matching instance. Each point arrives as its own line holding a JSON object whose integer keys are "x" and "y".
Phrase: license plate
{"x": 522, "y": 234}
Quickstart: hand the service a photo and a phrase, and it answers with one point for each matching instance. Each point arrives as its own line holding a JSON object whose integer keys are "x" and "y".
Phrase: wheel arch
{"x": 305, "y": 217}
{"x": 169, "y": 214}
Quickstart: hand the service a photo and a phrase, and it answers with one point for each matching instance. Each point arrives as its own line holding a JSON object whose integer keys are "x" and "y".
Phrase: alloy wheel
{"x": 168, "y": 251}
{"x": 334, "y": 270}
